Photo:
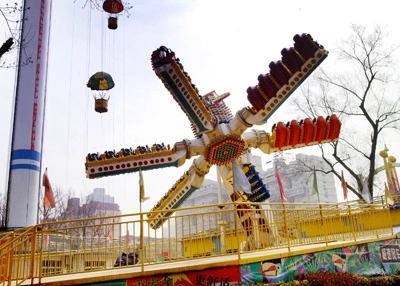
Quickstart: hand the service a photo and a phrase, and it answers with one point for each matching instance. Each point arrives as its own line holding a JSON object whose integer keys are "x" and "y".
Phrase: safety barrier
{"x": 93, "y": 244}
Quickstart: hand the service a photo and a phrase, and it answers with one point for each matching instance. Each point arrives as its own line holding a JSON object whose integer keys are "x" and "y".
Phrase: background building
{"x": 99, "y": 195}
{"x": 206, "y": 195}
{"x": 297, "y": 186}
{"x": 97, "y": 205}
{"x": 298, "y": 179}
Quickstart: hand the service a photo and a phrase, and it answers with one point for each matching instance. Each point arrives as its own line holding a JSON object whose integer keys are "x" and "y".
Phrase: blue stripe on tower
{"x": 25, "y": 159}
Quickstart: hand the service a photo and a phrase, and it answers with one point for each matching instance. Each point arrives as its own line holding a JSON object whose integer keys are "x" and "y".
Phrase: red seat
{"x": 281, "y": 135}
{"x": 294, "y": 133}
{"x": 308, "y": 131}
{"x": 334, "y": 129}
{"x": 321, "y": 128}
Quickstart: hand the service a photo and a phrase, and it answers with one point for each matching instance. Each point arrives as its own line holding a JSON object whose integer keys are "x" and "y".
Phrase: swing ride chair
{"x": 113, "y": 7}
{"x": 222, "y": 138}
{"x": 100, "y": 83}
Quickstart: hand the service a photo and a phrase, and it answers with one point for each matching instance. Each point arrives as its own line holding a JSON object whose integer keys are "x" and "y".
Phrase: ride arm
{"x": 295, "y": 134}
{"x": 178, "y": 82}
{"x": 283, "y": 78}
{"x": 180, "y": 191}
{"x": 112, "y": 163}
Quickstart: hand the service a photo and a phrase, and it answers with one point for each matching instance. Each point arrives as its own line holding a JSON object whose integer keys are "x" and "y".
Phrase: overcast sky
{"x": 223, "y": 45}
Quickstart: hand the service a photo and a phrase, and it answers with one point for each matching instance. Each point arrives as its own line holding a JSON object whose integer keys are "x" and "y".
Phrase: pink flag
{"x": 344, "y": 186}
{"x": 48, "y": 200}
{"x": 280, "y": 179}
{"x": 47, "y": 242}
{"x": 110, "y": 236}
{"x": 394, "y": 183}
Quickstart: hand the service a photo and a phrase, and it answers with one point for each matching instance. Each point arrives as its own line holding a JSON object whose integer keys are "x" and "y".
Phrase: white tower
{"x": 27, "y": 133}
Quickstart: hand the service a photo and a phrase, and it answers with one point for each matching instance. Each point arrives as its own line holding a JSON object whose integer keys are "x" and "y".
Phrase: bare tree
{"x": 85, "y": 219}
{"x": 361, "y": 90}
{"x": 12, "y": 16}
{"x": 95, "y": 210}
{"x": 3, "y": 209}
{"x": 49, "y": 214}
{"x": 11, "y": 19}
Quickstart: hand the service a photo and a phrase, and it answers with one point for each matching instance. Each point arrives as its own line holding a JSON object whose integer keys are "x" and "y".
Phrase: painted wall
{"x": 377, "y": 258}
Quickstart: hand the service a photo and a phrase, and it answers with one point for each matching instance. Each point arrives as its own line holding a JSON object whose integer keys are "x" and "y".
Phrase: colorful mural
{"x": 376, "y": 258}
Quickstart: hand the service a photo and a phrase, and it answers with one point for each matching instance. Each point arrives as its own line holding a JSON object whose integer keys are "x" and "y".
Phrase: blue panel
{"x": 25, "y": 154}
{"x": 218, "y": 245}
{"x": 25, "y": 167}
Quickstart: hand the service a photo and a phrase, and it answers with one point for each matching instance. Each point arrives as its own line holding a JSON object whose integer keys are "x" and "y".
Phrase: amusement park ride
{"x": 220, "y": 136}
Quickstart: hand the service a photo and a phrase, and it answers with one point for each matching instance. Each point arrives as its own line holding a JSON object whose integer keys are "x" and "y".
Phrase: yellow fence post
{"x": 33, "y": 253}
{"x": 41, "y": 247}
{"x": 6, "y": 260}
{"x": 351, "y": 223}
{"x": 285, "y": 225}
{"x": 324, "y": 224}
{"x": 237, "y": 230}
{"x": 10, "y": 262}
{"x": 141, "y": 241}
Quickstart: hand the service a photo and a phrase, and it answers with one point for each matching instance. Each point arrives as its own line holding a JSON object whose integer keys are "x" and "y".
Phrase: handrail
{"x": 10, "y": 247}
{"x": 14, "y": 235}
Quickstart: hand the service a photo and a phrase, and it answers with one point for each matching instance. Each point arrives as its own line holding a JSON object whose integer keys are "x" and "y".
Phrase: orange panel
{"x": 321, "y": 129}
{"x": 294, "y": 133}
{"x": 308, "y": 131}
{"x": 281, "y": 134}
{"x": 334, "y": 129}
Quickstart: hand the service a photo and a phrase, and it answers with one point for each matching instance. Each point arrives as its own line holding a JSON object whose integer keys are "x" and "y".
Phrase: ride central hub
{"x": 224, "y": 149}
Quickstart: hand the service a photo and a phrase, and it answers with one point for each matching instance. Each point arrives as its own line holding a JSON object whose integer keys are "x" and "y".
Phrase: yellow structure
{"x": 390, "y": 170}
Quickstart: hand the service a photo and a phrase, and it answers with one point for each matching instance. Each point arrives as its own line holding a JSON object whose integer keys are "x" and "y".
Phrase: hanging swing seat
{"x": 113, "y": 23}
{"x": 101, "y": 105}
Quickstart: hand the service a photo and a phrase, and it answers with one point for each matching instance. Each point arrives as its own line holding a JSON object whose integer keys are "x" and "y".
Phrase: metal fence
{"x": 94, "y": 244}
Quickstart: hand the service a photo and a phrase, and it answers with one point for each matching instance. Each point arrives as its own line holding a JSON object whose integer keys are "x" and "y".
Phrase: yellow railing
{"x": 16, "y": 263}
{"x": 93, "y": 244}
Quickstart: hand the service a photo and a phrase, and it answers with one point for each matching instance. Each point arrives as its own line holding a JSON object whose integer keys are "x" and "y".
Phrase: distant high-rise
{"x": 99, "y": 195}
{"x": 101, "y": 204}
{"x": 97, "y": 204}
